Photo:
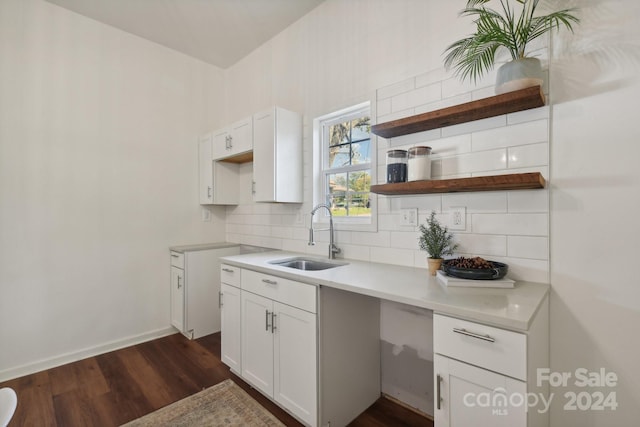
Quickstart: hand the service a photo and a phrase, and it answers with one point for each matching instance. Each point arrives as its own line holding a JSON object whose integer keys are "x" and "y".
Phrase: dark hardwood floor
{"x": 117, "y": 387}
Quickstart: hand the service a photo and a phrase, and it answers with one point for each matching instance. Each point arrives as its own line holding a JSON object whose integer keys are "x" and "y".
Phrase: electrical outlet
{"x": 458, "y": 218}
{"x": 206, "y": 215}
{"x": 409, "y": 217}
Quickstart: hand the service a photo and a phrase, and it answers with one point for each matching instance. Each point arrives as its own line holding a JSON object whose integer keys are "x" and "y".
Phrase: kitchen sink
{"x": 307, "y": 264}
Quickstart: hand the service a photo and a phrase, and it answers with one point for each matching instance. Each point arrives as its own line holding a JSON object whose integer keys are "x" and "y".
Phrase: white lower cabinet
{"x": 195, "y": 288}
{"x": 279, "y": 343}
{"x": 230, "y": 322}
{"x": 471, "y": 396}
{"x": 301, "y": 345}
{"x": 486, "y": 376}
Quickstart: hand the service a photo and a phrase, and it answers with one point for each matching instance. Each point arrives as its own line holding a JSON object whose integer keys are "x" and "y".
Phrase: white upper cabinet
{"x": 233, "y": 140}
{"x": 218, "y": 181}
{"x": 277, "y": 156}
{"x": 205, "y": 170}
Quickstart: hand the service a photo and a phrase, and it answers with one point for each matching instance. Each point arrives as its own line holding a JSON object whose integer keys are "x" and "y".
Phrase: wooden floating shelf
{"x": 518, "y": 181}
{"x": 239, "y": 158}
{"x": 511, "y": 102}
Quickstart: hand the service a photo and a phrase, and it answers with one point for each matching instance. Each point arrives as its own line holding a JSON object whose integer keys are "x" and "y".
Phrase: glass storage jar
{"x": 396, "y": 166}
{"x": 419, "y": 164}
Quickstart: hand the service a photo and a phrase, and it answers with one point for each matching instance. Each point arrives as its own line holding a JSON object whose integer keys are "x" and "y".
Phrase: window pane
{"x": 361, "y": 152}
{"x": 339, "y": 133}
{"x": 359, "y": 185}
{"x": 337, "y": 193}
{"x": 360, "y": 129}
{"x": 339, "y": 156}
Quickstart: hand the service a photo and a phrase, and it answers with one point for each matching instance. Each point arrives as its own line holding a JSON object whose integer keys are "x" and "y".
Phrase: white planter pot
{"x": 519, "y": 74}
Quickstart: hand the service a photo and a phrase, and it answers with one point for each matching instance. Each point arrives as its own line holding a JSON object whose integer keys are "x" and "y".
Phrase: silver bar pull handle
{"x": 179, "y": 285}
{"x": 270, "y": 282}
{"x": 220, "y": 299}
{"x": 209, "y": 191}
{"x": 266, "y": 320}
{"x": 227, "y": 270}
{"x": 175, "y": 255}
{"x": 438, "y": 392}
{"x": 474, "y": 335}
{"x": 273, "y": 322}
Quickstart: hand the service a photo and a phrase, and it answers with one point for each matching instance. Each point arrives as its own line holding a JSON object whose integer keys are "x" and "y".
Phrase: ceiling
{"x": 219, "y": 32}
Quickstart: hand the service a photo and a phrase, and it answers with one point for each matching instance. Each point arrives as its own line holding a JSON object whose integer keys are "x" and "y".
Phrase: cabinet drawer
{"x": 230, "y": 275}
{"x": 491, "y": 348}
{"x": 177, "y": 259}
{"x": 286, "y": 291}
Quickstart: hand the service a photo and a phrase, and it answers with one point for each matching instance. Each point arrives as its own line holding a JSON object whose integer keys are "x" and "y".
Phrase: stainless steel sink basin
{"x": 307, "y": 264}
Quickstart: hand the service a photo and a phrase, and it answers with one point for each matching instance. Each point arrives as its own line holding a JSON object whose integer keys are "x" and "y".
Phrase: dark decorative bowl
{"x": 498, "y": 271}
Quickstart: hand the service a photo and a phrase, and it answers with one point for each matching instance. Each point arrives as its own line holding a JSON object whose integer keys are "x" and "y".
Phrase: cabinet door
{"x": 205, "y": 169}
{"x": 241, "y": 139}
{"x": 230, "y": 319}
{"x": 257, "y": 341}
{"x": 295, "y": 373}
{"x": 264, "y": 168}
{"x": 472, "y": 396}
{"x": 220, "y": 143}
{"x": 177, "y": 298}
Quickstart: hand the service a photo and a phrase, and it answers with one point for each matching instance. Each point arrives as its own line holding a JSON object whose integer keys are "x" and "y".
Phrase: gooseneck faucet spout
{"x": 333, "y": 249}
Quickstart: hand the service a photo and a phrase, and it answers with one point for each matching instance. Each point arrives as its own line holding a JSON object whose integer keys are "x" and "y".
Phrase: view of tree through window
{"x": 348, "y": 165}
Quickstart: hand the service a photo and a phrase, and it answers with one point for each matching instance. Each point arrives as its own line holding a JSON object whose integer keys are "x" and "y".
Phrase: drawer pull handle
{"x": 273, "y": 322}
{"x": 266, "y": 320}
{"x": 474, "y": 335}
{"x": 227, "y": 270}
{"x": 269, "y": 282}
{"x": 175, "y": 255}
{"x": 438, "y": 392}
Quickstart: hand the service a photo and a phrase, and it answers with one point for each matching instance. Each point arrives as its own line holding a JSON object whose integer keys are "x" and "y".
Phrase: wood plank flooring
{"x": 117, "y": 387}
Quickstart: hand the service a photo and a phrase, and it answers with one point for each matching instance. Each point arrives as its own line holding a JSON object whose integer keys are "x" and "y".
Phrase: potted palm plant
{"x": 504, "y": 29}
{"x": 437, "y": 241}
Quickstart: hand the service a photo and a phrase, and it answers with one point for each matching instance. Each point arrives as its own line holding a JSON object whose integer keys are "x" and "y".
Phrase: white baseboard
{"x": 41, "y": 365}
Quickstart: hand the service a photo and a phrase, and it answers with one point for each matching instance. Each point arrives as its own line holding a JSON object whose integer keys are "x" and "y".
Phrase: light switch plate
{"x": 409, "y": 217}
{"x": 458, "y": 218}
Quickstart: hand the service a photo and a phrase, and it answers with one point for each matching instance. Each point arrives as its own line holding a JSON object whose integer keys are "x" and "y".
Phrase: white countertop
{"x": 202, "y": 247}
{"x": 509, "y": 308}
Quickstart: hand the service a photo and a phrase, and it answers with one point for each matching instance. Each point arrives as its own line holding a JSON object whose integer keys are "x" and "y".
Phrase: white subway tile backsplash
{"x": 405, "y": 239}
{"x": 381, "y": 238}
{"x": 539, "y": 113}
{"x": 528, "y": 247}
{"x": 396, "y": 115}
{"x": 419, "y": 138}
{"x": 383, "y": 108}
{"x": 526, "y": 201}
{"x": 482, "y": 244}
{"x": 361, "y": 253}
{"x": 511, "y": 224}
{"x": 475, "y": 126}
{"x": 392, "y": 256}
{"x": 508, "y": 136}
{"x": 417, "y": 97}
{"x": 395, "y": 89}
{"x": 443, "y": 103}
{"x": 475, "y": 162}
{"x": 447, "y": 147}
{"x": 528, "y": 155}
{"x": 482, "y": 202}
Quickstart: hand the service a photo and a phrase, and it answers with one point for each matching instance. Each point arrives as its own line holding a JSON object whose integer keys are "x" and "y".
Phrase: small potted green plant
{"x": 504, "y": 29}
{"x": 437, "y": 241}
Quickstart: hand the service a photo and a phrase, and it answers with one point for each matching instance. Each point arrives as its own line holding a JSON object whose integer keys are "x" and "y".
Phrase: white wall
{"x": 343, "y": 51}
{"x": 98, "y": 176}
{"x": 595, "y": 304}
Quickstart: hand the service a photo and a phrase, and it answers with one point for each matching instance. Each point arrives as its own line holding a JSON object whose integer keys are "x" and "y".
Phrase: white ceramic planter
{"x": 519, "y": 74}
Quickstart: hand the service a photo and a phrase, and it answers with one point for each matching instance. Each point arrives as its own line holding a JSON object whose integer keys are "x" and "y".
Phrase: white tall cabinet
{"x": 195, "y": 287}
{"x": 277, "y": 156}
{"x": 218, "y": 181}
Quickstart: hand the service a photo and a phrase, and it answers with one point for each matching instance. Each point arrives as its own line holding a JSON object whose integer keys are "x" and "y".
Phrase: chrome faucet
{"x": 333, "y": 249}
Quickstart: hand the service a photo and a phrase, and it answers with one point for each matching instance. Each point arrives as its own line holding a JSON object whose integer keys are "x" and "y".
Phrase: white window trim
{"x": 344, "y": 223}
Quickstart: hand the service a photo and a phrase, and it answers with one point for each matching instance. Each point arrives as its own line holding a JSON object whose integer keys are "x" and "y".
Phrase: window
{"x": 346, "y": 163}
